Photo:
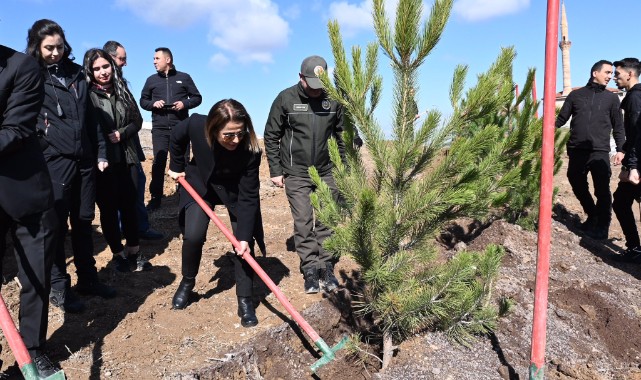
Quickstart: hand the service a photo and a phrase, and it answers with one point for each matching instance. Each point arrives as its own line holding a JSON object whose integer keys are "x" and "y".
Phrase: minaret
{"x": 565, "y": 52}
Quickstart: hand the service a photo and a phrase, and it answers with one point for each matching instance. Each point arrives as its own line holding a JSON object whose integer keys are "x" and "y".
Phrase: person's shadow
{"x": 164, "y": 220}
{"x": 605, "y": 250}
{"x": 100, "y": 317}
{"x": 224, "y": 277}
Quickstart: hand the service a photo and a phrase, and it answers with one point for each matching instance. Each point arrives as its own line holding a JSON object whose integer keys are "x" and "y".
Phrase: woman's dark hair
{"x": 38, "y": 31}
{"x": 230, "y": 110}
{"x": 119, "y": 86}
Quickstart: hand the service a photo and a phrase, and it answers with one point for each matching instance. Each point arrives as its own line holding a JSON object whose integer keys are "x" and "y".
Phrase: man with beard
{"x": 626, "y": 76}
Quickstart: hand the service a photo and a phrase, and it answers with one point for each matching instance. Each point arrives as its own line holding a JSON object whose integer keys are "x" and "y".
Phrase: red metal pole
{"x": 536, "y": 112}
{"x": 537, "y": 362}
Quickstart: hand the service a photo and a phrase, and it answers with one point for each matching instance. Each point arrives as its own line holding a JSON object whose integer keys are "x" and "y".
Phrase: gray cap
{"x": 311, "y": 68}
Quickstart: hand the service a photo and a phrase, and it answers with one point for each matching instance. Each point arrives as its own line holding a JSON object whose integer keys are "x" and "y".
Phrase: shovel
{"x": 328, "y": 353}
{"x": 27, "y": 367}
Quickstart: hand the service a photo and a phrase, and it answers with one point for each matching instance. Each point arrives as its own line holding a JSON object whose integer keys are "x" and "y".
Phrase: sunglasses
{"x": 229, "y": 136}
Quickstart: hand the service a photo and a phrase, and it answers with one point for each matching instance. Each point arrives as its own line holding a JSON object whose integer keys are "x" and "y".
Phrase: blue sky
{"x": 252, "y": 49}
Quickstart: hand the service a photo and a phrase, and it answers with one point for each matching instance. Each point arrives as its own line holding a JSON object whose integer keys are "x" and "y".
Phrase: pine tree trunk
{"x": 388, "y": 350}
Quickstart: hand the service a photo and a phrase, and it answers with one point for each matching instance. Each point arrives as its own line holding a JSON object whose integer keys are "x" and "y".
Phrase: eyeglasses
{"x": 229, "y": 136}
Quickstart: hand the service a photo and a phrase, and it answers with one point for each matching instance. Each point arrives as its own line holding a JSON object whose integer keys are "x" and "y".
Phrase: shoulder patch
{"x": 301, "y": 107}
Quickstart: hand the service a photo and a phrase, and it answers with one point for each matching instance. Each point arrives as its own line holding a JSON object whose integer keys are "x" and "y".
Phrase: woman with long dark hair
{"x": 69, "y": 150}
{"x": 224, "y": 171}
{"x": 114, "y": 113}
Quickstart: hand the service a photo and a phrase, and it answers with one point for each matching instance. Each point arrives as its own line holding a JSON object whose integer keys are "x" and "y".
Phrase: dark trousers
{"x": 160, "y": 143}
{"x": 34, "y": 243}
{"x": 116, "y": 193}
{"x": 194, "y": 236}
{"x": 74, "y": 192}
{"x": 598, "y": 165}
{"x": 624, "y": 197}
{"x": 309, "y": 232}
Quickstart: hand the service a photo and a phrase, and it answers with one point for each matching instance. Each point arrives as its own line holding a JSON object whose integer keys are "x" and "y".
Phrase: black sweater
{"x": 595, "y": 114}
{"x": 631, "y": 106}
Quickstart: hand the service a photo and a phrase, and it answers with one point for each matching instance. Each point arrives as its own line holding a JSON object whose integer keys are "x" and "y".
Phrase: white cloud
{"x": 249, "y": 30}
{"x": 352, "y": 18}
{"x": 476, "y": 10}
{"x": 357, "y": 17}
{"x": 219, "y": 61}
{"x": 292, "y": 12}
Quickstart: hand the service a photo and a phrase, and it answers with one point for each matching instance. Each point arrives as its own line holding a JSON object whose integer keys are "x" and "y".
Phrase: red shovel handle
{"x": 13, "y": 336}
{"x": 250, "y": 260}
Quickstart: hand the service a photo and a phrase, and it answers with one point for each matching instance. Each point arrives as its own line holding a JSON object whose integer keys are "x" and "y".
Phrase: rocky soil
{"x": 593, "y": 322}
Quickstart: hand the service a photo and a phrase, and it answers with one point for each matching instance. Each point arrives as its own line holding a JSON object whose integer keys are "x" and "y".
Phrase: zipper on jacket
{"x": 291, "y": 155}
{"x": 167, "y": 100}
{"x": 313, "y": 126}
{"x": 591, "y": 106}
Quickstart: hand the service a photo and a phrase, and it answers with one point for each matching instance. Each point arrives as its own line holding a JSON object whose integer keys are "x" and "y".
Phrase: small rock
{"x": 460, "y": 246}
{"x": 589, "y": 310}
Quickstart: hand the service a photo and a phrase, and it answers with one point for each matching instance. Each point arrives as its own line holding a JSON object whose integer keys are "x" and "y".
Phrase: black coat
{"x": 631, "y": 106}
{"x": 67, "y": 135}
{"x": 595, "y": 114}
{"x": 297, "y": 130}
{"x": 25, "y": 185}
{"x": 173, "y": 87}
{"x": 216, "y": 173}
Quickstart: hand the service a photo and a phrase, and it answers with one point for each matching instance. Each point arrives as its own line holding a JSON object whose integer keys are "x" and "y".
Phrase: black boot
{"x": 246, "y": 312}
{"x": 181, "y": 298}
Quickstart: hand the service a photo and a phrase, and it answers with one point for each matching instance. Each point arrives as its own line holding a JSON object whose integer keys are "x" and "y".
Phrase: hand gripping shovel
{"x": 27, "y": 367}
{"x": 328, "y": 353}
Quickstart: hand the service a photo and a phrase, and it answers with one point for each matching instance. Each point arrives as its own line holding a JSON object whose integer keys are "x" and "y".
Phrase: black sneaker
{"x": 151, "y": 234}
{"x": 95, "y": 288}
{"x": 154, "y": 204}
{"x": 45, "y": 367}
{"x": 120, "y": 262}
{"x": 66, "y": 300}
{"x": 328, "y": 281}
{"x": 631, "y": 255}
{"x": 311, "y": 282}
{"x": 140, "y": 261}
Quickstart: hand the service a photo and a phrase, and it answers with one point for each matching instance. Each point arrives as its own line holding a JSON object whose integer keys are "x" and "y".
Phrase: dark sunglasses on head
{"x": 229, "y": 136}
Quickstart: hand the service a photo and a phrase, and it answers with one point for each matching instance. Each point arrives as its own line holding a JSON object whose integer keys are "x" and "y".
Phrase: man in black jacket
{"x": 26, "y": 198}
{"x": 626, "y": 76}
{"x": 595, "y": 115}
{"x": 168, "y": 94}
{"x": 301, "y": 121}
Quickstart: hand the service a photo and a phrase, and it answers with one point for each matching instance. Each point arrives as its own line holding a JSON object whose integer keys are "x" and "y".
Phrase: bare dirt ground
{"x": 593, "y": 320}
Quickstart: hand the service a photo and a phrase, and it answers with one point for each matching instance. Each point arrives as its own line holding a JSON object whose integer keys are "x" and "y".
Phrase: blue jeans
{"x": 143, "y": 218}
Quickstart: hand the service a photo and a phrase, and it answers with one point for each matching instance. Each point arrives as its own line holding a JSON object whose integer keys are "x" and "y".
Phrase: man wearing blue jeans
{"x": 119, "y": 54}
